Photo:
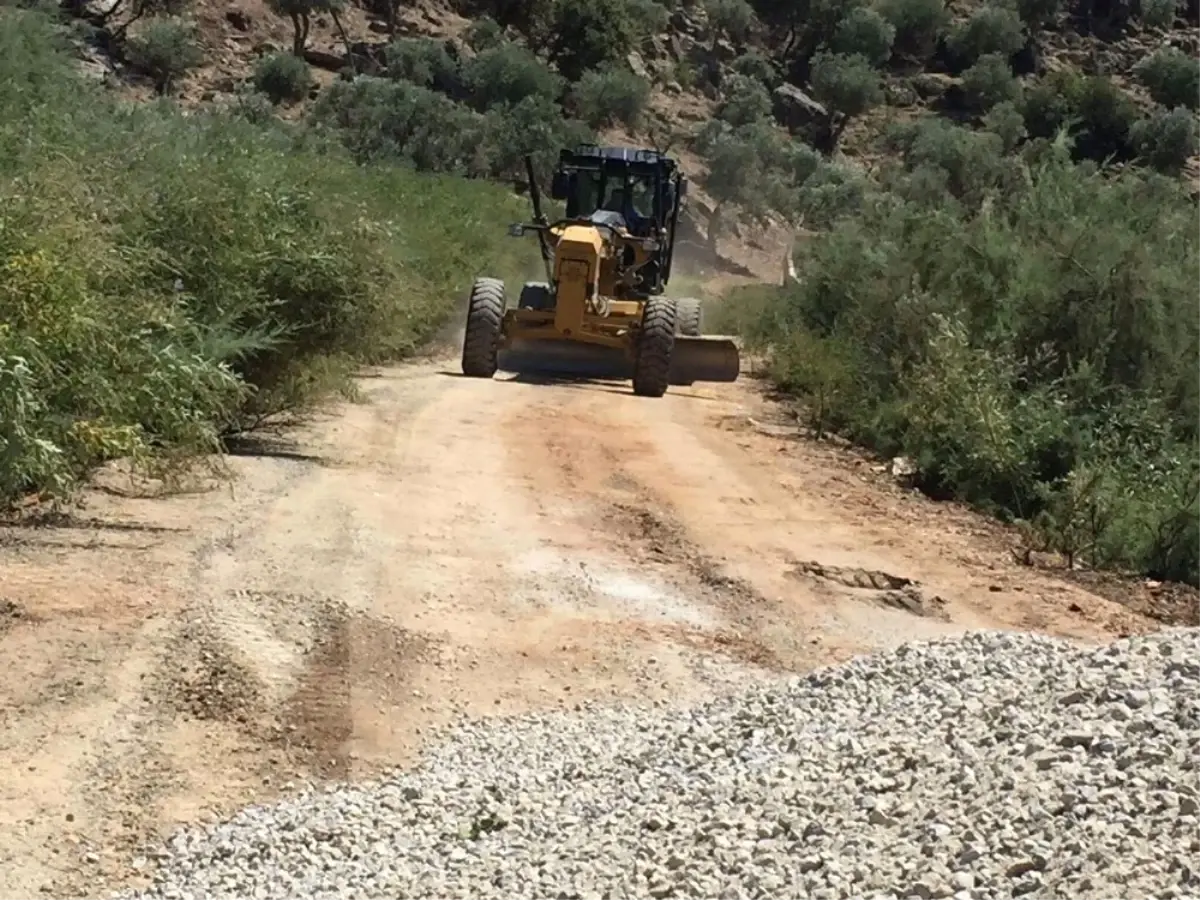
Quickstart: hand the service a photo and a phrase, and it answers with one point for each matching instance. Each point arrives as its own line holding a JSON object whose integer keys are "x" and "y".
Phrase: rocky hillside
{"x": 835, "y": 81}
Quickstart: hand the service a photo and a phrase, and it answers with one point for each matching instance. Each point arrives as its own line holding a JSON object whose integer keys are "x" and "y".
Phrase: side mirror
{"x": 560, "y": 186}
{"x": 516, "y": 230}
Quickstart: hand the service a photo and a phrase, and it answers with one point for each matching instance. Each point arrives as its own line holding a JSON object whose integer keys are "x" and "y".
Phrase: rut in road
{"x": 449, "y": 547}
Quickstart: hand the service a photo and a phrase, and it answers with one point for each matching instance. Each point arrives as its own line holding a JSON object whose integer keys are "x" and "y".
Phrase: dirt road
{"x": 447, "y": 547}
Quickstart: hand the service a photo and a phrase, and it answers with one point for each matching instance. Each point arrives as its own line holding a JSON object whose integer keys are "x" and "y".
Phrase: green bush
{"x": 745, "y": 100}
{"x": 508, "y": 73}
{"x": 610, "y": 96}
{"x": 1032, "y": 345}
{"x": 168, "y": 278}
{"x": 866, "y": 33}
{"x": 847, "y": 86}
{"x": 988, "y": 82}
{"x": 918, "y": 24}
{"x": 425, "y": 62}
{"x": 1037, "y": 14}
{"x": 991, "y": 29}
{"x": 734, "y": 19}
{"x": 283, "y": 77}
{"x": 590, "y": 34}
{"x": 1166, "y": 140}
{"x": 483, "y": 33}
{"x": 535, "y": 126}
{"x": 1006, "y": 122}
{"x": 1172, "y": 77}
{"x": 165, "y": 49}
{"x": 757, "y": 65}
{"x": 380, "y": 120}
{"x": 1159, "y": 14}
{"x": 647, "y": 17}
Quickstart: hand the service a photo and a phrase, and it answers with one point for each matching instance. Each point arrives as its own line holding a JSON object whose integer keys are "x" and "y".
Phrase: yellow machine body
{"x": 591, "y": 327}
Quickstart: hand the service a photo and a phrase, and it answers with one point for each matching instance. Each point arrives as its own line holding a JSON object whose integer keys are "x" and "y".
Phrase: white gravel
{"x": 990, "y": 766}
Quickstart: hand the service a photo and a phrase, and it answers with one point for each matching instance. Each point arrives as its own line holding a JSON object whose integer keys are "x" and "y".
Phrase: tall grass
{"x": 166, "y": 279}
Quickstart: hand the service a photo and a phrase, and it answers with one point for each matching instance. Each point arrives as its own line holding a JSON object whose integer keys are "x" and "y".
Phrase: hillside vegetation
{"x": 997, "y": 260}
{"x": 166, "y": 279}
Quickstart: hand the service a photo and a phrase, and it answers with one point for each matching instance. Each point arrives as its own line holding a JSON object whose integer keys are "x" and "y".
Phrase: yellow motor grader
{"x": 601, "y": 312}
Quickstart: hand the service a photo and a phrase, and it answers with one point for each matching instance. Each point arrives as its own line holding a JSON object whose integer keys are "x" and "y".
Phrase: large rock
{"x": 795, "y": 110}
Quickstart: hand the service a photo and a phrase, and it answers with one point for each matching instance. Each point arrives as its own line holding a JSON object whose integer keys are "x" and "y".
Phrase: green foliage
{"x": 590, "y": 34}
{"x": 988, "y": 82}
{"x": 1095, "y": 113}
{"x": 283, "y": 77}
{"x": 847, "y": 86}
{"x": 745, "y": 100}
{"x": 734, "y": 19}
{"x": 424, "y": 62}
{"x": 1166, "y": 140}
{"x": 535, "y": 126}
{"x": 1172, "y": 77}
{"x": 918, "y": 24}
{"x": 1031, "y": 341}
{"x": 648, "y": 17}
{"x": 753, "y": 168}
{"x": 508, "y": 73}
{"x": 483, "y": 33}
{"x": 529, "y": 17}
{"x": 866, "y": 33}
{"x": 991, "y": 29}
{"x": 164, "y": 48}
{"x": 168, "y": 278}
{"x": 1006, "y": 122}
{"x": 1159, "y": 14}
{"x": 609, "y": 96}
{"x": 757, "y": 65}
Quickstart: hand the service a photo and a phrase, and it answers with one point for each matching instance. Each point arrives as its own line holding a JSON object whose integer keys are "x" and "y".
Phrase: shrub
{"x": 866, "y": 33}
{"x": 1032, "y": 348}
{"x": 755, "y": 64}
{"x": 847, "y": 86}
{"x": 283, "y": 77}
{"x": 509, "y": 73}
{"x": 1006, "y": 122}
{"x": 1105, "y": 115}
{"x": 165, "y": 49}
{"x": 589, "y": 34}
{"x": 535, "y": 126}
{"x": 647, "y": 17}
{"x": 1172, "y": 77}
{"x": 1166, "y": 140}
{"x": 378, "y": 120}
{"x": 918, "y": 24}
{"x": 988, "y": 82}
{"x": 425, "y": 62}
{"x": 1159, "y": 14}
{"x": 745, "y": 100}
{"x": 1037, "y": 14}
{"x": 166, "y": 278}
{"x": 483, "y": 33}
{"x": 991, "y": 29}
{"x": 1048, "y": 104}
{"x": 610, "y": 96}
{"x": 734, "y": 19}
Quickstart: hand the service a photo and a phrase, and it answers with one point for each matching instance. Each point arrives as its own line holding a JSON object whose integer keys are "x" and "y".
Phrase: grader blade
{"x": 707, "y": 358}
{"x": 554, "y": 358}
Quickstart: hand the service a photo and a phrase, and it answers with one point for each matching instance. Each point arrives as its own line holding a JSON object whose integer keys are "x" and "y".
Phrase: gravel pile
{"x": 991, "y": 766}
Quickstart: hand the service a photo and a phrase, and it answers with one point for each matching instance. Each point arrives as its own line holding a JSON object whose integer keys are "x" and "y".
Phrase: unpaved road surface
{"x": 447, "y": 547}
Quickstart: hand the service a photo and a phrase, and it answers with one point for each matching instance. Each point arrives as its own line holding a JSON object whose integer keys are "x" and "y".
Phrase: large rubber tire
{"x": 535, "y": 295}
{"x": 689, "y": 318}
{"x": 485, "y": 316}
{"x": 656, "y": 342}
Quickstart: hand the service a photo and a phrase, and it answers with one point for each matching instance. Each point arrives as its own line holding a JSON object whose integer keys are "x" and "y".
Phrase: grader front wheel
{"x": 655, "y": 344}
{"x": 485, "y": 316}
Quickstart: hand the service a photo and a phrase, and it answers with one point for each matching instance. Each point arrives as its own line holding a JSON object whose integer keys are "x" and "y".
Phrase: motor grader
{"x": 601, "y": 312}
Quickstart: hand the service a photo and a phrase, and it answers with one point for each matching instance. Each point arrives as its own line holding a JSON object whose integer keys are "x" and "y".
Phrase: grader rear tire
{"x": 655, "y": 343}
{"x": 485, "y": 316}
{"x": 689, "y": 318}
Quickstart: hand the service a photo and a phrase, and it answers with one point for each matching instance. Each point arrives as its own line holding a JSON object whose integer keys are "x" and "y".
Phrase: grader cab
{"x": 601, "y": 313}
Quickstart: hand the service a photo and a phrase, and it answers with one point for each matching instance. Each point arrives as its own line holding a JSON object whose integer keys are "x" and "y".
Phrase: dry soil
{"x": 447, "y": 547}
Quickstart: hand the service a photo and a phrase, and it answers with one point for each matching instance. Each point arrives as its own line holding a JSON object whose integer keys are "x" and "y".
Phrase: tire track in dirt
{"x": 450, "y": 547}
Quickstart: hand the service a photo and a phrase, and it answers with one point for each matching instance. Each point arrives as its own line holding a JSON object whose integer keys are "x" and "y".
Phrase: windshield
{"x": 632, "y": 195}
